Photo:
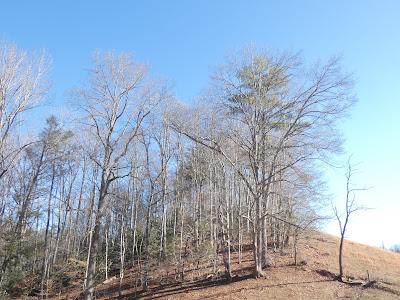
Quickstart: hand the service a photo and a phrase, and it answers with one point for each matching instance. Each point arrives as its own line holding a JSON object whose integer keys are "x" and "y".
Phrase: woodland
{"x": 135, "y": 178}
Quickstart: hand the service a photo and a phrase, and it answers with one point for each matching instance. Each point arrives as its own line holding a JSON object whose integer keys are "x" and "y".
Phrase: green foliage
{"x": 65, "y": 274}
{"x": 19, "y": 282}
{"x": 204, "y": 253}
{"x": 17, "y": 253}
{"x": 13, "y": 282}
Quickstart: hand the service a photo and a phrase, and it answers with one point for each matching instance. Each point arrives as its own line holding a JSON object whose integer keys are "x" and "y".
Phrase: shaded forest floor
{"x": 310, "y": 280}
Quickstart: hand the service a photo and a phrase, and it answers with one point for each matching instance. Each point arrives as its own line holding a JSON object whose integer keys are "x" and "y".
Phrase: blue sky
{"x": 182, "y": 40}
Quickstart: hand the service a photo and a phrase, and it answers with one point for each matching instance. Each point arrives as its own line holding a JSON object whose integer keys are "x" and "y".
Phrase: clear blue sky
{"x": 181, "y": 40}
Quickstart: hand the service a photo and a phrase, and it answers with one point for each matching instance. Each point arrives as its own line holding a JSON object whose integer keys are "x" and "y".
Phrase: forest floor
{"x": 313, "y": 279}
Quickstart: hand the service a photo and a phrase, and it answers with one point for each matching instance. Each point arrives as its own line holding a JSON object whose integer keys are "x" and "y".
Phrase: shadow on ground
{"x": 175, "y": 289}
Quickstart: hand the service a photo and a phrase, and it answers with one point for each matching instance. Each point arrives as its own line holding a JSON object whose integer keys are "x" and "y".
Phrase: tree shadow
{"x": 180, "y": 288}
{"x": 268, "y": 286}
{"x": 177, "y": 288}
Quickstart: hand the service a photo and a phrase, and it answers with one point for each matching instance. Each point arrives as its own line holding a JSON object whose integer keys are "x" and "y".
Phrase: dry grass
{"x": 381, "y": 264}
{"x": 282, "y": 280}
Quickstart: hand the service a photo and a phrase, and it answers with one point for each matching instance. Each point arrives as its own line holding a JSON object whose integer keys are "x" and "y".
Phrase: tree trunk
{"x": 46, "y": 234}
{"x": 95, "y": 240}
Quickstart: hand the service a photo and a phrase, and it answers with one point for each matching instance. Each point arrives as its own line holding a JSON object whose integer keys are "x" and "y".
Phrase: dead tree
{"x": 351, "y": 206}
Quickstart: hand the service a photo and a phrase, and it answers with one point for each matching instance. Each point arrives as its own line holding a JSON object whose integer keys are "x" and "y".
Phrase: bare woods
{"x": 137, "y": 178}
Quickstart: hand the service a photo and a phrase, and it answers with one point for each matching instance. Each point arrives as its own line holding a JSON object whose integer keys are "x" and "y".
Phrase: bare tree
{"x": 351, "y": 206}
{"x": 23, "y": 84}
{"x": 115, "y": 104}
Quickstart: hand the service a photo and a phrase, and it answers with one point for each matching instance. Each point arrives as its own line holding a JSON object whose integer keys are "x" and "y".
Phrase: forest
{"x": 134, "y": 177}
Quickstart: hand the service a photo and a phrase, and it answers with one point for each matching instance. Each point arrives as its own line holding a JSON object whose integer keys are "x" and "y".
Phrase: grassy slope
{"x": 320, "y": 252}
{"x": 282, "y": 280}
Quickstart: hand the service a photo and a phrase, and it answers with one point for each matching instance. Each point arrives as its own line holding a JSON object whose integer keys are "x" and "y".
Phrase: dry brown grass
{"x": 381, "y": 264}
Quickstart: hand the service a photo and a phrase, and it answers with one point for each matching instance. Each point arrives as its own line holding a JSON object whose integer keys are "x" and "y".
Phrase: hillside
{"x": 312, "y": 279}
